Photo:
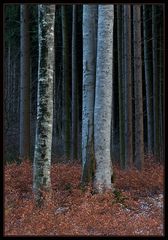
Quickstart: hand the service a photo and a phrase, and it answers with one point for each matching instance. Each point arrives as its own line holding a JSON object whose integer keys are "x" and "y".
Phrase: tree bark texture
{"x": 161, "y": 93}
{"x": 66, "y": 84}
{"x": 89, "y": 79}
{"x": 43, "y": 142}
{"x": 155, "y": 80}
{"x": 120, "y": 84}
{"x": 128, "y": 87}
{"x": 74, "y": 86}
{"x": 103, "y": 99}
{"x": 148, "y": 82}
{"x": 139, "y": 141}
{"x": 24, "y": 83}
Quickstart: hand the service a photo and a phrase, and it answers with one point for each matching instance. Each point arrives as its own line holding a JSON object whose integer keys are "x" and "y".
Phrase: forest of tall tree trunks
{"x": 83, "y": 125}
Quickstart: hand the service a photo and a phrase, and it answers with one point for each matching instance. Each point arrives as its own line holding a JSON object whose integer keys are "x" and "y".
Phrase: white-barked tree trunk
{"x": 103, "y": 99}
{"x": 43, "y": 142}
{"x": 89, "y": 79}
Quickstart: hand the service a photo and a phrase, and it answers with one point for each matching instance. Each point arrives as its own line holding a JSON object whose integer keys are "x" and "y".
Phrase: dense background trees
{"x": 105, "y": 70}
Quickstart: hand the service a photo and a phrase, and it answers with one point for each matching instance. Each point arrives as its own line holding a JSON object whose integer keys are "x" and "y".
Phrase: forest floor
{"x": 136, "y": 207}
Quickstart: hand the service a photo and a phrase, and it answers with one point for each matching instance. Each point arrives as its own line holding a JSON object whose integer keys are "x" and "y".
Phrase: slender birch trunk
{"x": 89, "y": 78}
{"x": 103, "y": 99}
{"x": 43, "y": 142}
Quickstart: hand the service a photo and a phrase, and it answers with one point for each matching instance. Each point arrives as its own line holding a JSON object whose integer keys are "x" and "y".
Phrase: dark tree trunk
{"x": 139, "y": 141}
{"x": 24, "y": 84}
{"x": 148, "y": 82}
{"x": 120, "y": 83}
{"x": 128, "y": 87}
{"x": 74, "y": 87}
{"x": 66, "y": 84}
{"x": 155, "y": 81}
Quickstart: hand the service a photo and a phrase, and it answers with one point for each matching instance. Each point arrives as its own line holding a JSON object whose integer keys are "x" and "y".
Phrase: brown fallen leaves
{"x": 136, "y": 208}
